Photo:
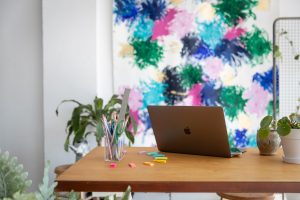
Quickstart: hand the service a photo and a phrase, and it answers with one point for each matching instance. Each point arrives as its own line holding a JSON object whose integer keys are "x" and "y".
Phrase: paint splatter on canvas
{"x": 194, "y": 53}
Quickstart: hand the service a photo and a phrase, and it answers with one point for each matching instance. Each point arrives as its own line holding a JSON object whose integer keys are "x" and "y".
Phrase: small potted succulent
{"x": 288, "y": 129}
{"x": 268, "y": 141}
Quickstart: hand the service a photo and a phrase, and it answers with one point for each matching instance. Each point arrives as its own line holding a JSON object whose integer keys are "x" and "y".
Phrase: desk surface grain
{"x": 182, "y": 173}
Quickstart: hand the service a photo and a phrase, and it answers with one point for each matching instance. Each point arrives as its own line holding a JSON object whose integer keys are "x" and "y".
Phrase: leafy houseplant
{"x": 89, "y": 115}
{"x": 289, "y": 130}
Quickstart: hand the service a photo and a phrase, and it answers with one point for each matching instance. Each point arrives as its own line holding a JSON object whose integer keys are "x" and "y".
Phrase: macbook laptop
{"x": 191, "y": 130}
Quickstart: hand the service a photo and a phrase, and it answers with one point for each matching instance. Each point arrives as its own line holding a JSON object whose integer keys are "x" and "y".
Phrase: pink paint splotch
{"x": 135, "y": 100}
{"x": 161, "y": 27}
{"x": 234, "y": 33}
{"x": 258, "y": 100}
{"x": 182, "y": 24}
{"x": 213, "y": 67}
{"x": 194, "y": 96}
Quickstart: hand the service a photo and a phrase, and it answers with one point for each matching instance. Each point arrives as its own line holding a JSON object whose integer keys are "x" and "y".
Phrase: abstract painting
{"x": 193, "y": 53}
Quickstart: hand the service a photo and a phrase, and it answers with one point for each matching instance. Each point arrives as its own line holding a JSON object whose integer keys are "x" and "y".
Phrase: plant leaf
{"x": 266, "y": 121}
{"x": 99, "y": 133}
{"x": 98, "y": 103}
{"x": 129, "y": 136}
{"x": 263, "y": 133}
{"x": 64, "y": 101}
{"x": 134, "y": 124}
{"x": 80, "y": 132}
{"x": 127, "y": 194}
{"x": 283, "y": 129}
{"x": 112, "y": 102}
{"x": 297, "y": 57}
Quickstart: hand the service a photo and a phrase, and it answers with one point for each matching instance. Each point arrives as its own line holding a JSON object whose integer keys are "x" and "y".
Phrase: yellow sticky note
{"x": 149, "y": 164}
{"x": 160, "y": 161}
{"x": 161, "y": 158}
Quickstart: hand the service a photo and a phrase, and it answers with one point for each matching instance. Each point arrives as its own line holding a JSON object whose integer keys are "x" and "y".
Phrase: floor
{"x": 192, "y": 196}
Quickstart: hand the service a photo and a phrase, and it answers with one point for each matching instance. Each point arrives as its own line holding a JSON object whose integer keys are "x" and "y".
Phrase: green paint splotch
{"x": 232, "y": 101}
{"x": 234, "y": 10}
{"x": 257, "y": 44}
{"x": 190, "y": 75}
{"x": 146, "y": 53}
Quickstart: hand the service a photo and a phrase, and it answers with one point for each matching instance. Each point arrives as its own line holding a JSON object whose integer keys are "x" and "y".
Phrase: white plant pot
{"x": 291, "y": 147}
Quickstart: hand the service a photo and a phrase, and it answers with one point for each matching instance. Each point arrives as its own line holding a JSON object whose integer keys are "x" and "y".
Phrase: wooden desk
{"x": 183, "y": 173}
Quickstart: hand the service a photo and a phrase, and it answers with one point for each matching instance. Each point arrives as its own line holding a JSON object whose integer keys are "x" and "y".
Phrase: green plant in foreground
{"x": 46, "y": 190}
{"x": 89, "y": 115}
{"x": 125, "y": 196}
{"x": 13, "y": 178}
{"x": 282, "y": 126}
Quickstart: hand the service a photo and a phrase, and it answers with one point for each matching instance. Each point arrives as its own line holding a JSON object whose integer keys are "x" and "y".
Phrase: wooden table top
{"x": 182, "y": 173}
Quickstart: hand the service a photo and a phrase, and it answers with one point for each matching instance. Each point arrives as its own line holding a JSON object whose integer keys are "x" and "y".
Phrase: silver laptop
{"x": 191, "y": 130}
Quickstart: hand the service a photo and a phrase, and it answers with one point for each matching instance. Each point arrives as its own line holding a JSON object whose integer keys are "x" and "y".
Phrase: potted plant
{"x": 268, "y": 141}
{"x": 86, "y": 119}
{"x": 288, "y": 129}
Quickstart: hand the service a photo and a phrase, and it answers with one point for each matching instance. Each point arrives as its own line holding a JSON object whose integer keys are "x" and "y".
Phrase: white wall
{"x": 289, "y": 8}
{"x": 69, "y": 28}
{"x": 21, "y": 97}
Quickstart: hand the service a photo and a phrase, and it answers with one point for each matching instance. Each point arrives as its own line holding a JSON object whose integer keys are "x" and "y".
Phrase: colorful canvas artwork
{"x": 194, "y": 53}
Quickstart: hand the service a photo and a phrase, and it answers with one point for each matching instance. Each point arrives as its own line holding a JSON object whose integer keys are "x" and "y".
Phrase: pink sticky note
{"x": 142, "y": 152}
{"x": 113, "y": 165}
{"x": 132, "y": 165}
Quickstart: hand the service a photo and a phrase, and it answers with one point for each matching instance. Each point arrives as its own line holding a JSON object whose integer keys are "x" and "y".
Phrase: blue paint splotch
{"x": 174, "y": 91}
{"x": 232, "y": 52}
{"x": 211, "y": 32}
{"x": 190, "y": 45}
{"x": 193, "y": 46}
{"x": 154, "y": 9}
{"x": 203, "y": 51}
{"x": 126, "y": 10}
{"x": 241, "y": 139}
{"x": 145, "y": 119}
{"x": 152, "y": 93}
{"x": 266, "y": 80}
{"x": 143, "y": 28}
{"x": 210, "y": 95}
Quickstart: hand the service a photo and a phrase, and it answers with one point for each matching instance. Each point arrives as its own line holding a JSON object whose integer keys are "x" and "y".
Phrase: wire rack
{"x": 286, "y": 36}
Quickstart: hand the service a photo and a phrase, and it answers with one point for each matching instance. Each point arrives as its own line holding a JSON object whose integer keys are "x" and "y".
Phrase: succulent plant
{"x": 13, "y": 178}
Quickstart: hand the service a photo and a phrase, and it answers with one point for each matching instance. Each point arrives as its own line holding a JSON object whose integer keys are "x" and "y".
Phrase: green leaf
{"x": 297, "y": 57}
{"x": 263, "y": 133}
{"x": 112, "y": 102}
{"x": 120, "y": 127}
{"x": 134, "y": 124}
{"x": 127, "y": 194}
{"x": 266, "y": 121}
{"x": 64, "y": 101}
{"x": 99, "y": 133}
{"x": 129, "y": 136}
{"x": 67, "y": 143}
{"x": 46, "y": 191}
{"x": 74, "y": 195}
{"x": 277, "y": 53}
{"x": 98, "y": 103}
{"x": 80, "y": 132}
{"x": 283, "y": 129}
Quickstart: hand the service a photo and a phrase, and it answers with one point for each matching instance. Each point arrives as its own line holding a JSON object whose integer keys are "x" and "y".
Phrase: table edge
{"x": 167, "y": 186}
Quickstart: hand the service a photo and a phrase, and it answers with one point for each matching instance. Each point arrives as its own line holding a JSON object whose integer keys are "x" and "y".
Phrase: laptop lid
{"x": 190, "y": 130}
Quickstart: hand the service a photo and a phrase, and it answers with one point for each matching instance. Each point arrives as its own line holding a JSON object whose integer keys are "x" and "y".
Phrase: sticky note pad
{"x": 159, "y": 155}
{"x": 132, "y": 165}
{"x": 149, "y": 164}
{"x": 161, "y": 158}
{"x": 142, "y": 152}
{"x": 160, "y": 161}
{"x": 152, "y": 153}
{"x": 113, "y": 165}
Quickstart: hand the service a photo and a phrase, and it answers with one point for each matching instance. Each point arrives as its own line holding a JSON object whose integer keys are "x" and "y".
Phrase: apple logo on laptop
{"x": 187, "y": 130}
